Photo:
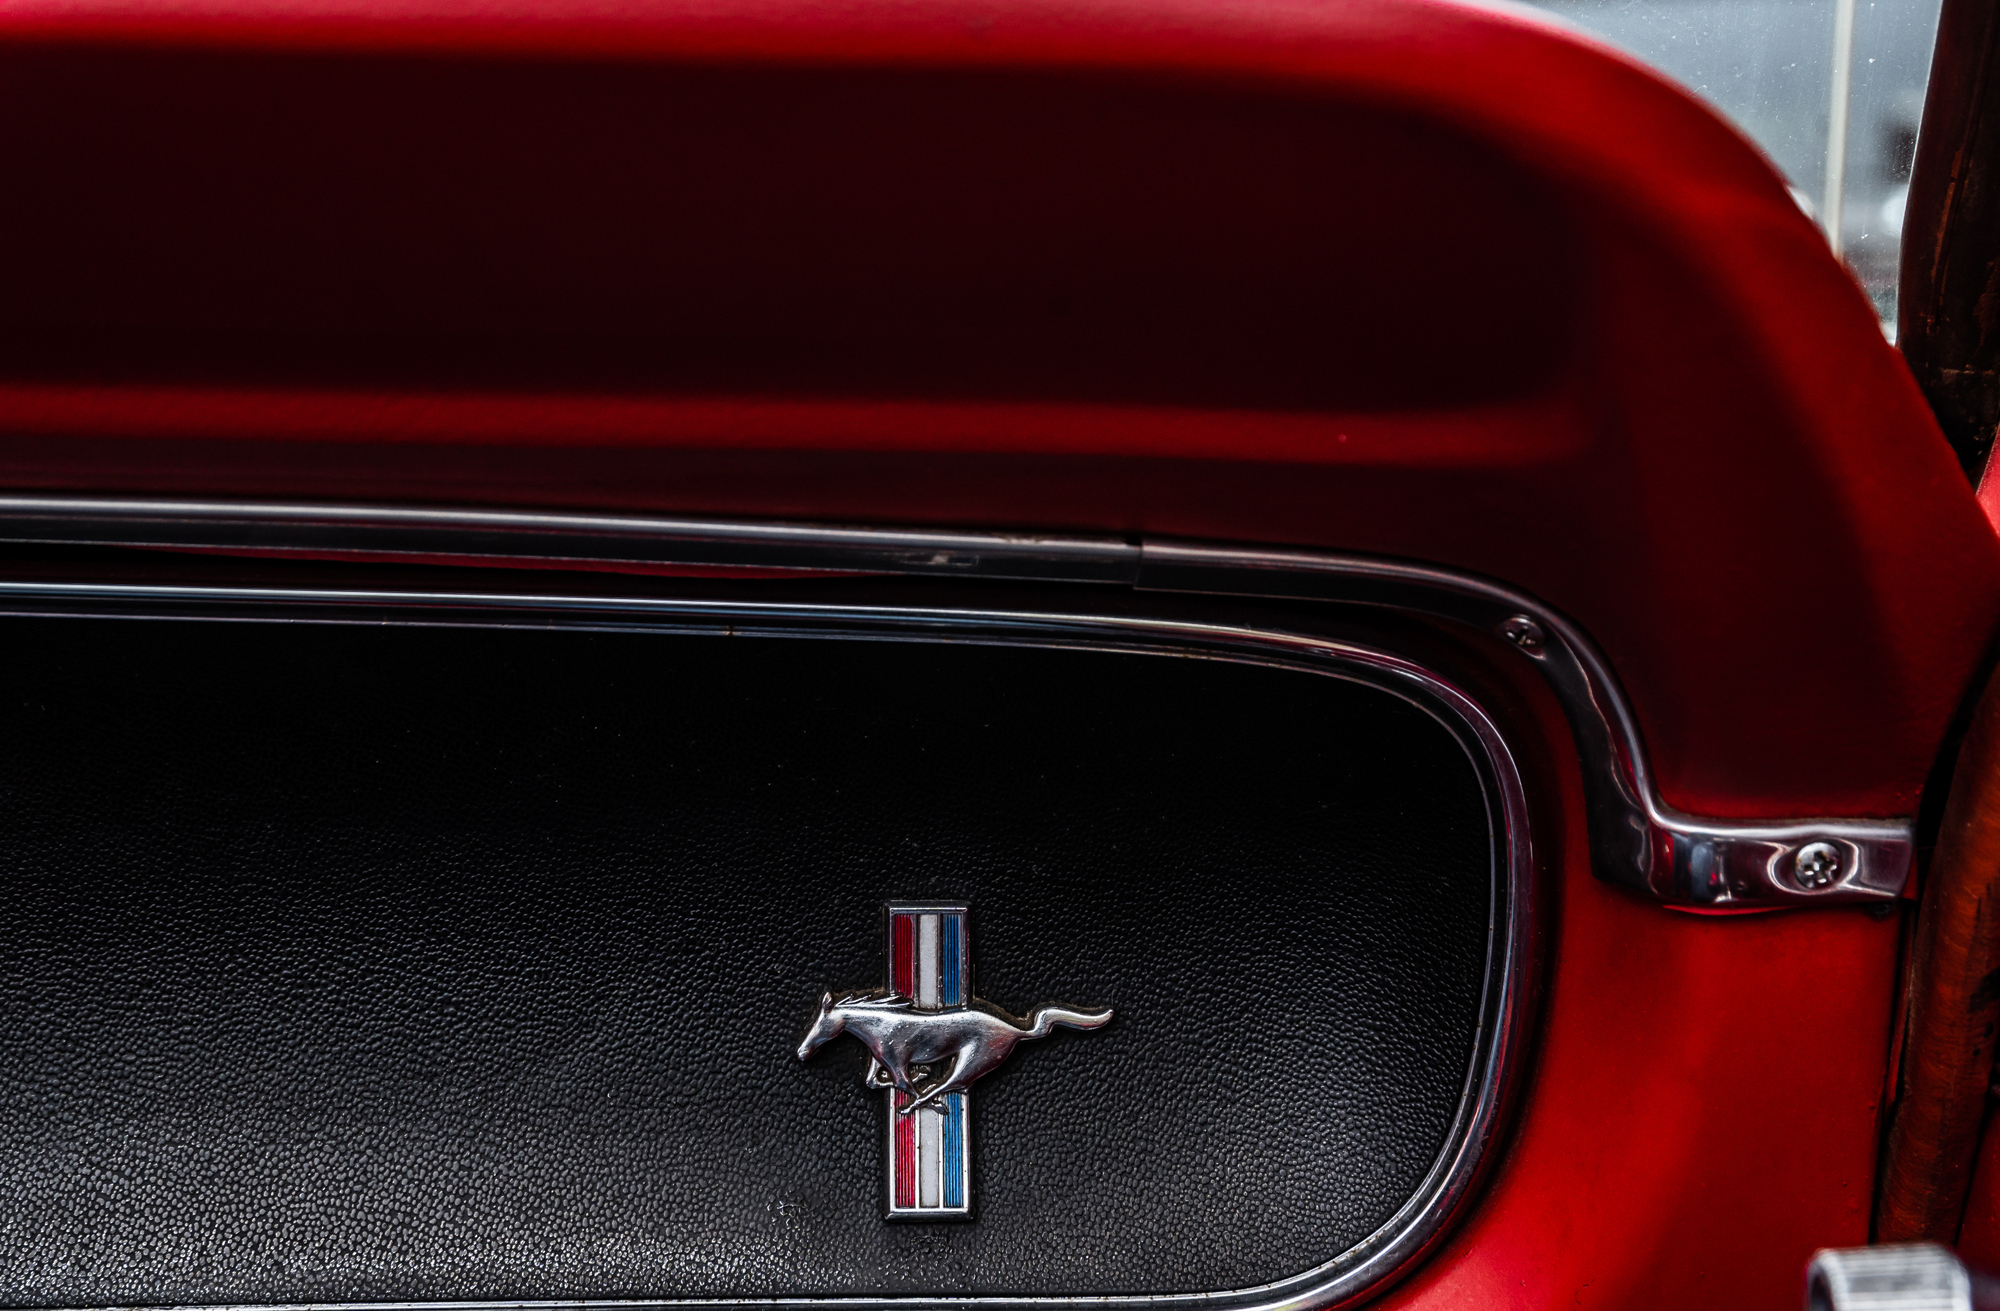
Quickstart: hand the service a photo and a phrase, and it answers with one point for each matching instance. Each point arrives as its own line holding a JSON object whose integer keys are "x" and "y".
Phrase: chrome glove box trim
{"x": 1638, "y": 842}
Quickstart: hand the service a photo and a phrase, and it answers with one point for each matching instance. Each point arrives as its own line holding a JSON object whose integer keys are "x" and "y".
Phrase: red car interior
{"x": 1443, "y": 283}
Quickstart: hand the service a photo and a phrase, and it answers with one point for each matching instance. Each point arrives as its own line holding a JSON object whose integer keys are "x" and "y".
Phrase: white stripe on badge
{"x": 927, "y": 963}
{"x": 930, "y": 1151}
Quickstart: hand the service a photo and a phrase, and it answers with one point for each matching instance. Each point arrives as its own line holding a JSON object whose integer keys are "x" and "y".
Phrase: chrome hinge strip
{"x": 1637, "y": 842}
{"x": 554, "y": 536}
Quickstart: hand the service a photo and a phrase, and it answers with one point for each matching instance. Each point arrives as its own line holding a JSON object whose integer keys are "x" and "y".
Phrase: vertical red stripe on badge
{"x": 903, "y": 1128}
{"x": 903, "y": 969}
{"x": 906, "y": 1149}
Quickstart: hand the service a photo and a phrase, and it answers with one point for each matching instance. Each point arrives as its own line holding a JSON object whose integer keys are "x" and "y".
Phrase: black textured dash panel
{"x": 346, "y": 964}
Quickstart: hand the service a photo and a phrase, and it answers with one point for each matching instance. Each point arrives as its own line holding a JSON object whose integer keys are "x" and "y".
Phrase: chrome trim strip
{"x": 1637, "y": 841}
{"x": 553, "y": 536}
{"x": 1360, "y": 1271}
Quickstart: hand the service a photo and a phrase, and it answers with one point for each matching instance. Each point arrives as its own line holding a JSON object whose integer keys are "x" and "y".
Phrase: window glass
{"x": 1831, "y": 89}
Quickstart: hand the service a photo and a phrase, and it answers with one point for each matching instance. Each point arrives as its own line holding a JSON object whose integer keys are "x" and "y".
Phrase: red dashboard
{"x": 1400, "y": 280}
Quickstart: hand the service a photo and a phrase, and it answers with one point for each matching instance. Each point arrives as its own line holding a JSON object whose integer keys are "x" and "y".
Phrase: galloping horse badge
{"x": 928, "y": 1039}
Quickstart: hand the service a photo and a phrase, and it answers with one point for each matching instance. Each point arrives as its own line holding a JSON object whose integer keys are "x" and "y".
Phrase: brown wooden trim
{"x": 1954, "y": 1004}
{"x": 1948, "y": 304}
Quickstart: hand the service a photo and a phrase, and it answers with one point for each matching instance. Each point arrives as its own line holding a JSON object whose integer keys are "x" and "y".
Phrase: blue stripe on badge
{"x": 954, "y": 1150}
{"x": 950, "y": 935}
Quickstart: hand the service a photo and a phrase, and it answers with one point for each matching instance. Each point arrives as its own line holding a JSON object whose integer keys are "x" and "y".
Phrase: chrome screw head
{"x": 1816, "y": 866}
{"x": 1524, "y": 633}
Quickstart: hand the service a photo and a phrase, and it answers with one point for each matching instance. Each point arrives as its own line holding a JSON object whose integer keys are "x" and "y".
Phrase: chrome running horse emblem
{"x": 928, "y": 1039}
{"x": 898, "y": 1036}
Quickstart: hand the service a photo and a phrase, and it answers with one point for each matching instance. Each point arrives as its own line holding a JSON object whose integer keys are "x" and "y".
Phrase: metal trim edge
{"x": 1637, "y": 841}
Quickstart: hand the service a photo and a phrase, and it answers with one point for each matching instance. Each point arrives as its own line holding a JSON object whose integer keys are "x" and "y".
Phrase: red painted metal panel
{"x": 1605, "y": 360}
{"x": 1702, "y": 1115}
{"x": 1579, "y": 337}
{"x": 1702, "y": 1105}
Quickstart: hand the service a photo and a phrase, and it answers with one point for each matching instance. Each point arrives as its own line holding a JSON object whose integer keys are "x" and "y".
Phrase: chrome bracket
{"x": 1637, "y": 841}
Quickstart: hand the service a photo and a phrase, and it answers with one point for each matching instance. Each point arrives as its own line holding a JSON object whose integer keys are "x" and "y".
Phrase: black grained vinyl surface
{"x": 348, "y": 964}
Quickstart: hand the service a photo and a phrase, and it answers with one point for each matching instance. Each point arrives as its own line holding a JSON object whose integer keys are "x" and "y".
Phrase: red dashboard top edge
{"x": 1628, "y": 377}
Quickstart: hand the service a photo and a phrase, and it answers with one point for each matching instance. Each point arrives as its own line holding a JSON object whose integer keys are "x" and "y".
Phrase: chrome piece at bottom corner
{"x": 1637, "y": 842}
{"x": 1895, "y": 1277}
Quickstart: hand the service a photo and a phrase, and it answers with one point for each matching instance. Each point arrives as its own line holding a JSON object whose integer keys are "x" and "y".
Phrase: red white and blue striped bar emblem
{"x": 928, "y": 1038}
{"x": 930, "y": 1149}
